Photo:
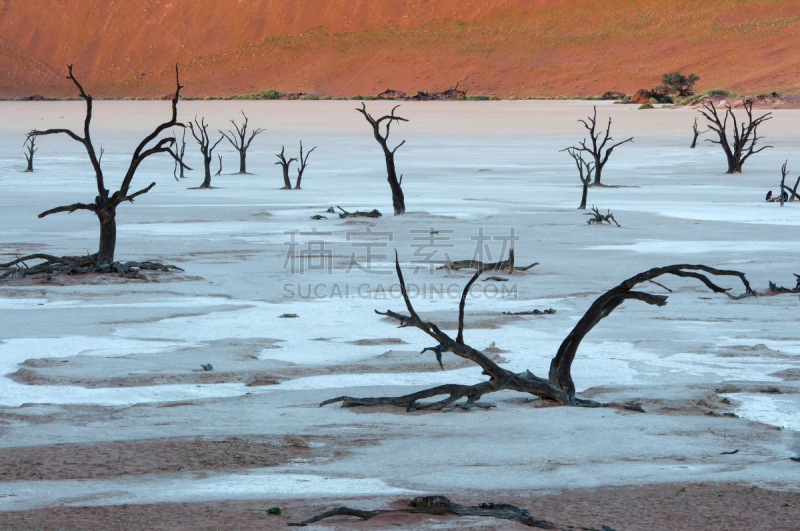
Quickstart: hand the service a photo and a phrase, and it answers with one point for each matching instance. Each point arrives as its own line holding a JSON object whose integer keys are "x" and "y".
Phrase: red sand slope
{"x": 348, "y": 47}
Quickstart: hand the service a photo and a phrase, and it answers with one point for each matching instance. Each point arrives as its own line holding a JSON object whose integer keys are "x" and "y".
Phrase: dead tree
{"x": 697, "y": 133}
{"x": 358, "y": 214}
{"x": 200, "y": 133}
{"x": 302, "y": 168}
{"x": 30, "y": 148}
{"x": 440, "y": 505}
{"x": 745, "y": 135}
{"x": 219, "y": 171}
{"x": 398, "y": 200}
{"x": 287, "y": 185}
{"x": 585, "y": 171}
{"x": 791, "y": 192}
{"x": 105, "y": 205}
{"x": 504, "y": 265}
{"x": 559, "y": 386}
{"x": 596, "y": 150}
{"x": 180, "y": 151}
{"x": 239, "y": 143}
{"x": 599, "y": 218}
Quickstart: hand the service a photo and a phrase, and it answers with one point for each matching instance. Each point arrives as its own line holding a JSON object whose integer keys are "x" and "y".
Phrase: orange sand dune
{"x": 347, "y": 47}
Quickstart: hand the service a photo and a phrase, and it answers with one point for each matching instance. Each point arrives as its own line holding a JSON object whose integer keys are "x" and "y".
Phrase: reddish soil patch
{"x": 659, "y": 508}
{"x": 349, "y": 47}
{"x": 78, "y": 461}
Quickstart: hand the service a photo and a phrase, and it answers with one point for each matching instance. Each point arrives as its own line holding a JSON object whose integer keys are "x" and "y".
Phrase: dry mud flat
{"x": 107, "y": 419}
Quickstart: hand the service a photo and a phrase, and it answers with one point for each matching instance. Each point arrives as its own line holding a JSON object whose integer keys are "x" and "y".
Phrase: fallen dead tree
{"x": 358, "y": 214}
{"x": 76, "y": 265}
{"x": 558, "y": 387}
{"x": 505, "y": 265}
{"x": 599, "y": 218}
{"x": 439, "y": 505}
{"x": 780, "y": 289}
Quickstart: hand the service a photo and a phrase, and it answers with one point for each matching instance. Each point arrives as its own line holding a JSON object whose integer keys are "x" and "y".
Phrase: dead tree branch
{"x": 559, "y": 386}
{"x": 398, "y": 199}
{"x": 53, "y": 266}
{"x": 439, "y": 505}
{"x": 780, "y": 289}
{"x": 303, "y": 161}
{"x": 240, "y": 142}
{"x": 745, "y": 135}
{"x": 505, "y": 265}
{"x": 357, "y": 214}
{"x": 180, "y": 150}
{"x": 785, "y": 190}
{"x": 597, "y": 145}
{"x": 599, "y": 218}
{"x": 219, "y": 171}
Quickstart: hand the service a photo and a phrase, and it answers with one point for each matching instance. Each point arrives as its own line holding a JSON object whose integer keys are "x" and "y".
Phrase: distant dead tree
{"x": 596, "y": 150}
{"x": 219, "y": 171}
{"x": 105, "y": 205}
{"x": 240, "y": 141}
{"x": 302, "y": 167}
{"x": 180, "y": 150}
{"x": 598, "y": 218}
{"x": 200, "y": 133}
{"x": 284, "y": 163}
{"x": 398, "y": 200}
{"x": 30, "y": 148}
{"x": 745, "y": 135}
{"x": 785, "y": 190}
{"x": 559, "y": 386}
{"x": 585, "y": 170}
{"x": 697, "y": 133}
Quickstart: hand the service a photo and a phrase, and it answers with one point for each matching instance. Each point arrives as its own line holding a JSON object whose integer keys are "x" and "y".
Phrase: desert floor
{"x": 108, "y": 421}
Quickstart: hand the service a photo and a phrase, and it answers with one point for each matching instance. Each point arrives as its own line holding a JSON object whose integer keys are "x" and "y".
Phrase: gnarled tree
{"x": 30, "y": 148}
{"x": 585, "y": 171}
{"x": 240, "y": 142}
{"x": 559, "y": 386}
{"x": 105, "y": 205}
{"x": 200, "y": 133}
{"x": 284, "y": 164}
{"x": 398, "y": 200}
{"x": 697, "y": 133}
{"x": 597, "y": 146}
{"x": 302, "y": 160}
{"x": 745, "y": 134}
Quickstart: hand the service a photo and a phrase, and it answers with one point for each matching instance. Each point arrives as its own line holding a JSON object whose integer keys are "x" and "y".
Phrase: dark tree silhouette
{"x": 302, "y": 160}
{"x": 585, "y": 170}
{"x": 596, "y": 150}
{"x": 105, "y": 205}
{"x": 677, "y": 83}
{"x": 745, "y": 135}
{"x": 200, "y": 133}
{"x": 30, "y": 148}
{"x": 697, "y": 133}
{"x": 287, "y": 184}
{"x": 559, "y": 386}
{"x": 219, "y": 171}
{"x": 398, "y": 200}
{"x": 240, "y": 141}
{"x": 785, "y": 190}
{"x": 180, "y": 150}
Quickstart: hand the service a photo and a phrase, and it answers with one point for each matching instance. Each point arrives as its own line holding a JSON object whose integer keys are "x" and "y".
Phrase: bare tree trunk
{"x": 284, "y": 164}
{"x": 242, "y": 162}
{"x": 585, "y": 193}
{"x": 31, "y": 149}
{"x": 398, "y": 200}
{"x": 108, "y": 235}
{"x": 207, "y": 167}
{"x": 303, "y": 162}
{"x": 200, "y": 133}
